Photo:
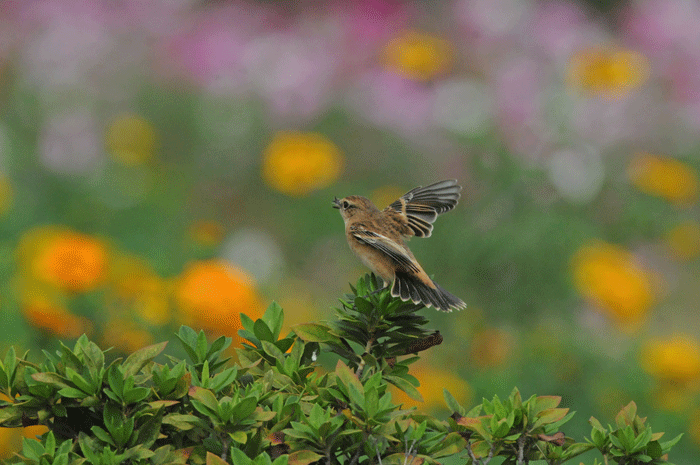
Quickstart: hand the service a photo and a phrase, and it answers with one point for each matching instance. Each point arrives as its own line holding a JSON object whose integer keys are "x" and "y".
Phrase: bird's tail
{"x": 406, "y": 287}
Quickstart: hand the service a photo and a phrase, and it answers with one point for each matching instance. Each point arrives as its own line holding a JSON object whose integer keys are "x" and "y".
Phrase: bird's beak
{"x": 336, "y": 203}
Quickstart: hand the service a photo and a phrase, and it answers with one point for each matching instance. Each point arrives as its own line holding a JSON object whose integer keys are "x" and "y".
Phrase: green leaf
{"x": 218, "y": 345}
{"x": 133, "y": 364}
{"x": 102, "y": 435}
{"x": 247, "y": 323}
{"x": 546, "y": 402}
{"x": 406, "y": 387}
{"x": 314, "y": 332}
{"x": 50, "y": 443}
{"x": 550, "y": 415}
{"x": 80, "y": 382}
{"x": 303, "y": 457}
{"x": 205, "y": 397}
{"x": 213, "y": 459}
{"x": 52, "y": 379}
{"x": 274, "y": 318}
{"x": 148, "y": 431}
{"x": 626, "y": 415}
{"x": 654, "y": 450}
{"x": 596, "y": 424}
{"x": 237, "y": 456}
{"x": 188, "y": 339}
{"x": 273, "y": 351}
{"x": 112, "y": 417}
{"x": 201, "y": 347}
{"x": 262, "y": 331}
{"x": 347, "y": 377}
{"x": 239, "y": 436}
{"x": 452, "y": 444}
{"x": 452, "y": 403}
{"x": 116, "y": 380}
{"x": 135, "y": 395}
{"x": 181, "y": 421}
{"x": 665, "y": 446}
{"x": 72, "y": 393}
{"x": 244, "y": 408}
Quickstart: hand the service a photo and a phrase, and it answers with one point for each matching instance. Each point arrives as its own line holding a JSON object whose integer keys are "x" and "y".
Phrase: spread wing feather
{"x": 422, "y": 205}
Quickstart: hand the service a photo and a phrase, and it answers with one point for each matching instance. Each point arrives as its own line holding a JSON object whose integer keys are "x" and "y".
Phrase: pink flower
{"x": 294, "y": 71}
{"x": 556, "y": 27}
{"x": 210, "y": 51}
{"x": 389, "y": 100}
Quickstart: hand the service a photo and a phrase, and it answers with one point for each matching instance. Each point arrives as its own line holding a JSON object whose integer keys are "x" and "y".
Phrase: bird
{"x": 378, "y": 238}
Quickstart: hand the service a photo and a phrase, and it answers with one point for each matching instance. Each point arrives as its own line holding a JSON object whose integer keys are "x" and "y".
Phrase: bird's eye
{"x": 345, "y": 204}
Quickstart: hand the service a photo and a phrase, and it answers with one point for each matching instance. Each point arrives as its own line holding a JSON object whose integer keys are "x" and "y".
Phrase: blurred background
{"x": 171, "y": 162}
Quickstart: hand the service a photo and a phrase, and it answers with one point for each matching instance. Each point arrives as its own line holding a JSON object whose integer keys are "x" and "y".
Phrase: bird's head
{"x": 353, "y": 205}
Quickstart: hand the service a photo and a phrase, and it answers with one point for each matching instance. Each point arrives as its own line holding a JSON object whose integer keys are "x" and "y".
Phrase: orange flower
{"x": 610, "y": 73}
{"x": 48, "y": 316}
{"x": 211, "y": 294}
{"x": 417, "y": 55}
{"x": 296, "y": 163}
{"x": 65, "y": 258}
{"x": 432, "y": 381}
{"x": 608, "y": 275}
{"x": 684, "y": 240}
{"x": 675, "y": 359}
{"x": 664, "y": 177}
{"x": 140, "y": 289}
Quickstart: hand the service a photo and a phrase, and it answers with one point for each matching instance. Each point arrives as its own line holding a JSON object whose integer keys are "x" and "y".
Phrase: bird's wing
{"x": 422, "y": 205}
{"x": 388, "y": 246}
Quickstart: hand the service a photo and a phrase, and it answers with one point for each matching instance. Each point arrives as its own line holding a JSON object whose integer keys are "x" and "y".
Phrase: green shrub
{"x": 274, "y": 407}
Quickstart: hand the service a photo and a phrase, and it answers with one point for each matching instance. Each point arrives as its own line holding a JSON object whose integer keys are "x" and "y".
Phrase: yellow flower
{"x": 53, "y": 318}
{"x": 432, "y": 381}
{"x": 609, "y": 73}
{"x": 31, "y": 432}
{"x": 671, "y": 397}
{"x": 138, "y": 288}
{"x": 130, "y": 139}
{"x": 490, "y": 348}
{"x": 72, "y": 261}
{"x": 296, "y": 163}
{"x": 417, "y": 55}
{"x": 684, "y": 240}
{"x": 608, "y": 275}
{"x": 6, "y": 194}
{"x": 10, "y": 442}
{"x": 675, "y": 359}
{"x": 211, "y": 294}
{"x": 664, "y": 177}
{"x": 126, "y": 336}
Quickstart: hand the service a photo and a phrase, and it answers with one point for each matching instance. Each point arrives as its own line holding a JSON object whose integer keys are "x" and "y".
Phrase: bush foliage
{"x": 276, "y": 406}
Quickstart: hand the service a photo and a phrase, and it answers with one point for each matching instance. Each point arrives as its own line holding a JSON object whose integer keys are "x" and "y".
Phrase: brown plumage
{"x": 378, "y": 239}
